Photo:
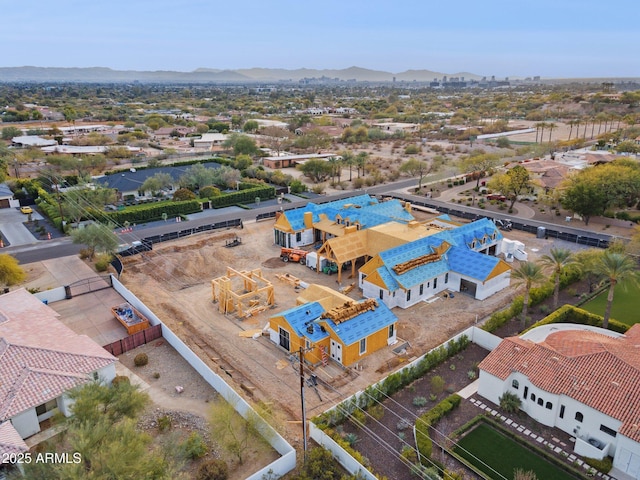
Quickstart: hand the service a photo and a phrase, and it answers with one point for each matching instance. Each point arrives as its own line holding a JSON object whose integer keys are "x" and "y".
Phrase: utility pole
{"x": 304, "y": 415}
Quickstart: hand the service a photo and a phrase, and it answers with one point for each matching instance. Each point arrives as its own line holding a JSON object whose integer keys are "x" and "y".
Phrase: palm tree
{"x": 527, "y": 274}
{"x": 557, "y": 260}
{"x": 551, "y": 126}
{"x": 616, "y": 267}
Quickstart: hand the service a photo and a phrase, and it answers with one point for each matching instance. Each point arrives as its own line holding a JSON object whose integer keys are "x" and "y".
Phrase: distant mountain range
{"x": 210, "y": 75}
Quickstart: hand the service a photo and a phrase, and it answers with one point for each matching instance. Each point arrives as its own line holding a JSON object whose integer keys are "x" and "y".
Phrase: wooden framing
{"x": 416, "y": 262}
{"x": 244, "y": 292}
{"x": 349, "y": 310}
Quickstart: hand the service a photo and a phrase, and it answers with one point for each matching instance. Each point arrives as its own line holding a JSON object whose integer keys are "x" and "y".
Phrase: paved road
{"x": 55, "y": 248}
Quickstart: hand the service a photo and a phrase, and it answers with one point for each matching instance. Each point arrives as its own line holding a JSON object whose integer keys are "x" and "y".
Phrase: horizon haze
{"x": 567, "y": 39}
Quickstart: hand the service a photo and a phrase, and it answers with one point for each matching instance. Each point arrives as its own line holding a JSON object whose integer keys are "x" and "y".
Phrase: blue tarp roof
{"x": 365, "y": 324}
{"x": 363, "y": 209}
{"x": 459, "y": 257}
{"x": 349, "y": 331}
{"x": 303, "y": 315}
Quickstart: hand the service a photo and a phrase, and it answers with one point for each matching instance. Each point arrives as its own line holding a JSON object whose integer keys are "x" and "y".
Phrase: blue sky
{"x": 551, "y": 38}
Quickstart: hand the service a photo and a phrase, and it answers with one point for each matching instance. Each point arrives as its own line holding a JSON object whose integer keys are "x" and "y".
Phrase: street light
{"x": 15, "y": 167}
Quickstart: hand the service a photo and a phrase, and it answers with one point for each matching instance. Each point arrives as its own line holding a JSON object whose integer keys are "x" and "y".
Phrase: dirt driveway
{"x": 174, "y": 280}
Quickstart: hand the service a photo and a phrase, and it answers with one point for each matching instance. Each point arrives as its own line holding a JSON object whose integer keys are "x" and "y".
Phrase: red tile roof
{"x": 10, "y": 440}
{"x": 40, "y": 358}
{"x": 594, "y": 369}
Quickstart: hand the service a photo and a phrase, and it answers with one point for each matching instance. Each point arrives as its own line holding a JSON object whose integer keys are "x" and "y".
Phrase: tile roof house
{"x": 582, "y": 380}
{"x": 345, "y": 333}
{"x": 459, "y": 260}
{"x": 40, "y": 360}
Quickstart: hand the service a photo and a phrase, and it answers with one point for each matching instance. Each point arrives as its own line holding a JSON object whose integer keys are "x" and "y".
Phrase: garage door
{"x": 629, "y": 463}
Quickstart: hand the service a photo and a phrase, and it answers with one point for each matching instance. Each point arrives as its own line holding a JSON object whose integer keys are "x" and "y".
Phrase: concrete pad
{"x": 469, "y": 390}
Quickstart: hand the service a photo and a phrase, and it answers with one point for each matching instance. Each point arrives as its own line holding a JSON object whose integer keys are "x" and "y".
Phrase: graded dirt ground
{"x": 174, "y": 280}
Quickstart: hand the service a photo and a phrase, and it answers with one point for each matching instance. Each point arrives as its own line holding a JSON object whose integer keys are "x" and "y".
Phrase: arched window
{"x": 540, "y": 401}
{"x": 579, "y": 417}
{"x": 548, "y": 406}
{"x": 533, "y": 397}
{"x": 515, "y": 384}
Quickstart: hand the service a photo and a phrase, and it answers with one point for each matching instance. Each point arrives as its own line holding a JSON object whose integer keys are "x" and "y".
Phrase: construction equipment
{"x": 330, "y": 267}
{"x": 293, "y": 255}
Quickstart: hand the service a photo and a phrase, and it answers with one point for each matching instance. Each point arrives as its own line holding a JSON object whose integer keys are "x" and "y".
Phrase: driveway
{"x": 12, "y": 229}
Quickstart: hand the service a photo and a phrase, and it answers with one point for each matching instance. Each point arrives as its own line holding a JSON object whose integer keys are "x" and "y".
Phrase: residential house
{"x": 6, "y": 196}
{"x": 284, "y": 161}
{"x": 40, "y": 361}
{"x": 458, "y": 260}
{"x": 25, "y": 141}
{"x": 209, "y": 140}
{"x": 319, "y": 222}
{"x": 345, "y": 333}
{"x": 582, "y": 380}
{"x": 130, "y": 182}
{"x": 180, "y": 130}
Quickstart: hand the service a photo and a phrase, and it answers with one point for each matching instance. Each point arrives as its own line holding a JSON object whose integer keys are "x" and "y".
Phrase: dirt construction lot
{"x": 174, "y": 280}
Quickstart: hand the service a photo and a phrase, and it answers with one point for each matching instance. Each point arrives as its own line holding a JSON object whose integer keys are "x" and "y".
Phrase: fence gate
{"x": 87, "y": 285}
{"x": 132, "y": 341}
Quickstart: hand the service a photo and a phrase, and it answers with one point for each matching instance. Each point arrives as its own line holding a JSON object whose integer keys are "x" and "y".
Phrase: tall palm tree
{"x": 557, "y": 260}
{"x": 527, "y": 274}
{"x": 551, "y": 126}
{"x": 616, "y": 267}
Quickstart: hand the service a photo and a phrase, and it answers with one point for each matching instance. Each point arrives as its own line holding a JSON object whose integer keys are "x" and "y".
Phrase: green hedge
{"x": 537, "y": 295}
{"x": 571, "y": 314}
{"x": 424, "y": 422}
{"x": 151, "y": 212}
{"x": 244, "y": 196}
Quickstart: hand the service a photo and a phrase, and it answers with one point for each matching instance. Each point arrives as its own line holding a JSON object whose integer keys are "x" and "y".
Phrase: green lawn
{"x": 494, "y": 452}
{"x": 625, "y": 304}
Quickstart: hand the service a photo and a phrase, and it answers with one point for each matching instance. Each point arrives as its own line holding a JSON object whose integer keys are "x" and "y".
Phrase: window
{"x": 408, "y": 295}
{"x": 473, "y": 244}
{"x": 561, "y": 411}
{"x": 381, "y": 295}
{"x": 446, "y": 277}
{"x": 540, "y": 401}
{"x": 307, "y": 344}
{"x": 533, "y": 397}
{"x": 548, "y": 406}
{"x": 46, "y": 407}
{"x": 299, "y": 237}
{"x": 95, "y": 376}
{"x": 526, "y": 392}
{"x": 392, "y": 329}
{"x": 363, "y": 346}
{"x": 607, "y": 430}
{"x": 435, "y": 283}
{"x": 421, "y": 289}
{"x": 579, "y": 417}
{"x": 515, "y": 384}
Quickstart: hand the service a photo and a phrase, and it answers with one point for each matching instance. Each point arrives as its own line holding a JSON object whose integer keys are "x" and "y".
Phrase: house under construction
{"x": 244, "y": 293}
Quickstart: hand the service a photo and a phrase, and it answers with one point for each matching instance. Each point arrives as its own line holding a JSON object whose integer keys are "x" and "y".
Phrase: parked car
{"x": 26, "y": 209}
{"x": 496, "y": 196}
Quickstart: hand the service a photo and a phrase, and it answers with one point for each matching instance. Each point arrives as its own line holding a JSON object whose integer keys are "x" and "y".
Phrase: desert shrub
{"x": 85, "y": 253}
{"x": 141, "y": 359}
{"x": 412, "y": 149}
{"x": 604, "y": 465}
{"x": 119, "y": 380}
{"x": 102, "y": 262}
{"x": 194, "y": 446}
{"x": 156, "y": 375}
{"x": 164, "y": 423}
{"x": 419, "y": 401}
{"x": 376, "y": 411}
{"x": 471, "y": 374}
{"x": 510, "y": 402}
{"x": 437, "y": 384}
{"x": 403, "y": 424}
{"x": 351, "y": 439}
{"x": 213, "y": 470}
{"x": 358, "y": 417}
{"x": 408, "y": 453}
{"x": 318, "y": 189}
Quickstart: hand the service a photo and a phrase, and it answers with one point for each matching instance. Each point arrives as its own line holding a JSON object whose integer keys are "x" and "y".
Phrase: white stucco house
{"x": 40, "y": 360}
{"x": 582, "y": 380}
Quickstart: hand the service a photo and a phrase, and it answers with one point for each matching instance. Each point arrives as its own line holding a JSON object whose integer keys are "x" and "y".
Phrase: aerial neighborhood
{"x": 276, "y": 277}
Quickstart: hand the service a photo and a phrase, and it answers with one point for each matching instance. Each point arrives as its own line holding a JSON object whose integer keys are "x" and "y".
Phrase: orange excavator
{"x": 293, "y": 255}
